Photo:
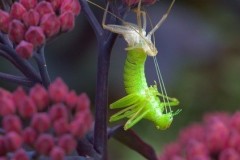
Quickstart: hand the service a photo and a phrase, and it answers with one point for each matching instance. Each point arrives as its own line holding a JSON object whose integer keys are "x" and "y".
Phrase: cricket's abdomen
{"x": 134, "y": 76}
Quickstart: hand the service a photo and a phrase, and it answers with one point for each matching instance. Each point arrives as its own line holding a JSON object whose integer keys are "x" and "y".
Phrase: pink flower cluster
{"x": 218, "y": 137}
{"x": 30, "y": 22}
{"x": 134, "y": 2}
{"x": 47, "y": 121}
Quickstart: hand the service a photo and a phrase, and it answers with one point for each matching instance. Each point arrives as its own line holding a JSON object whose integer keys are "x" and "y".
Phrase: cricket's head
{"x": 164, "y": 121}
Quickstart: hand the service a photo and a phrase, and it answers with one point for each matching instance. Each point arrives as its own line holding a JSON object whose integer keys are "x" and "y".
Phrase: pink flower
{"x": 28, "y": 4}
{"x": 50, "y": 24}
{"x": 218, "y": 137}
{"x": 67, "y": 21}
{"x": 43, "y": 8}
{"x": 42, "y": 119}
{"x": 57, "y": 153}
{"x": 20, "y": 154}
{"x": 4, "y": 21}
{"x": 35, "y": 36}
{"x": 17, "y": 10}
{"x": 44, "y": 144}
{"x": 16, "y": 31}
{"x": 31, "y": 18}
{"x": 70, "y": 5}
{"x": 24, "y": 49}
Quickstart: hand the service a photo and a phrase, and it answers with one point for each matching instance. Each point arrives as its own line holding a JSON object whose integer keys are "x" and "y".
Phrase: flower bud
{"x": 229, "y": 154}
{"x": 43, "y": 8}
{"x": 71, "y": 100}
{"x": 35, "y": 36}
{"x": 57, "y": 153}
{"x": 29, "y": 136}
{"x": 27, "y": 108}
{"x": 85, "y": 116}
{"x": 44, "y": 144}
{"x": 16, "y": 31}
{"x": 217, "y": 136}
{"x": 195, "y": 148}
{"x": 3, "y": 147}
{"x": 58, "y": 90}
{"x": 61, "y": 126}
{"x": 235, "y": 121}
{"x": 24, "y": 49}
{"x": 13, "y": 141}
{"x": 40, "y": 96}
{"x": 17, "y": 10}
{"x": 28, "y": 4}
{"x": 5, "y": 94}
{"x": 78, "y": 128}
{"x": 18, "y": 95}
{"x": 4, "y": 21}
{"x": 31, "y": 18}
{"x": 70, "y": 5}
{"x": 7, "y": 106}
{"x": 67, "y": 142}
{"x": 56, "y": 4}
{"x": 40, "y": 122}
{"x": 20, "y": 154}
{"x": 83, "y": 103}
{"x": 67, "y": 21}
{"x": 50, "y": 24}
{"x": 12, "y": 123}
{"x": 58, "y": 111}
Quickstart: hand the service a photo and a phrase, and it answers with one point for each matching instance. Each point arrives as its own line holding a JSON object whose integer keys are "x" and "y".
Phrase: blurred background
{"x": 199, "y": 56}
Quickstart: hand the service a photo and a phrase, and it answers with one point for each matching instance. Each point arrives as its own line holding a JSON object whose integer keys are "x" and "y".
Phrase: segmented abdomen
{"x": 134, "y": 76}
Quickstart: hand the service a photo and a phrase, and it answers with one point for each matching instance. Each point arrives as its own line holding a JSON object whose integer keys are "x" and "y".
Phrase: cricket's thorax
{"x": 157, "y": 108}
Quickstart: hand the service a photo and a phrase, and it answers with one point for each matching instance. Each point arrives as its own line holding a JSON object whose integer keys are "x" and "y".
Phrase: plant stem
{"x": 91, "y": 19}
{"x": 100, "y": 134}
{"x": 23, "y": 65}
{"x": 16, "y": 79}
{"x": 42, "y": 66}
{"x": 105, "y": 40}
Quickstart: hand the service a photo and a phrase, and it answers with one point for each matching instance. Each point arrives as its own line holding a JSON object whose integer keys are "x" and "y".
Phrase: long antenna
{"x": 161, "y": 84}
{"x": 164, "y": 17}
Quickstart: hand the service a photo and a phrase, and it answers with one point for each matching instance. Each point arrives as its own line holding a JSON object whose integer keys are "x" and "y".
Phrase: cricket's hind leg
{"x": 130, "y": 103}
{"x": 128, "y": 100}
{"x": 125, "y": 113}
{"x": 136, "y": 117}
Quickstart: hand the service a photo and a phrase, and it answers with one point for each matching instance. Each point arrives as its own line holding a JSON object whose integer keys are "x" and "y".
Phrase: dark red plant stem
{"x": 42, "y": 66}
{"x": 100, "y": 129}
{"x": 91, "y": 19}
{"x": 85, "y": 147}
{"x": 10, "y": 59}
{"x": 16, "y": 79}
{"x": 7, "y": 51}
{"x": 101, "y": 99}
{"x": 24, "y": 66}
{"x": 105, "y": 43}
{"x": 133, "y": 141}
